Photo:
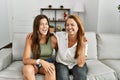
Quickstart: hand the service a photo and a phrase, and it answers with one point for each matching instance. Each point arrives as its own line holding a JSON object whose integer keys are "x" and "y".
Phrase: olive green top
{"x": 46, "y": 49}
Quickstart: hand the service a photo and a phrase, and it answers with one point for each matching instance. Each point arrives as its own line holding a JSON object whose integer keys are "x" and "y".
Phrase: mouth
{"x": 44, "y": 31}
{"x": 70, "y": 30}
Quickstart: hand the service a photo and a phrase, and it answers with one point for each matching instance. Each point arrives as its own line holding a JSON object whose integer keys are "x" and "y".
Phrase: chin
{"x": 44, "y": 33}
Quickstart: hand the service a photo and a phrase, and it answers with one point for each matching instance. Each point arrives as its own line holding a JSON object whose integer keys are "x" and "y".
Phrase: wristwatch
{"x": 38, "y": 61}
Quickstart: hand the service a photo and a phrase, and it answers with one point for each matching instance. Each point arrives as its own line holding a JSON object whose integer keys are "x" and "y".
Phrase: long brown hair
{"x": 80, "y": 34}
{"x": 35, "y": 36}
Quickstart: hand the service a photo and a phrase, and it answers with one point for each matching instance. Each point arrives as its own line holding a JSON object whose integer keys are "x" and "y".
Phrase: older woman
{"x": 72, "y": 51}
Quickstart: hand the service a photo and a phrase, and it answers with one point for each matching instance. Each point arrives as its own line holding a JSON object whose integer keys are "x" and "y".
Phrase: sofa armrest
{"x": 5, "y": 57}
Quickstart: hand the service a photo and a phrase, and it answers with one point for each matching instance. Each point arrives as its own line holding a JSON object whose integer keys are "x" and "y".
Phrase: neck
{"x": 42, "y": 36}
{"x": 43, "y": 39}
{"x": 72, "y": 36}
{"x": 72, "y": 39}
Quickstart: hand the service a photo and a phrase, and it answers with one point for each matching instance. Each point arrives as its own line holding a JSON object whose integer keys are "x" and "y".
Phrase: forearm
{"x": 32, "y": 61}
{"x": 29, "y": 61}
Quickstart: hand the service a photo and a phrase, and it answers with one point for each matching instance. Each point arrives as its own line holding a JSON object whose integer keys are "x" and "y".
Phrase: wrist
{"x": 38, "y": 61}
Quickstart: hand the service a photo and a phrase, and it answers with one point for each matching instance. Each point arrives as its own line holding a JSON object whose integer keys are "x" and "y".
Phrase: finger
{"x": 52, "y": 67}
{"x": 50, "y": 70}
{"x": 29, "y": 36}
{"x": 85, "y": 39}
{"x": 46, "y": 68}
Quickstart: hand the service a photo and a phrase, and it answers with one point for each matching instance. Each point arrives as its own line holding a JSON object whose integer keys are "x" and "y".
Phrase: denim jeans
{"x": 62, "y": 72}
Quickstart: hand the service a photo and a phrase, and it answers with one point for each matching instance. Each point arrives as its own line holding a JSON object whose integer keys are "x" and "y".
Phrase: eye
{"x": 67, "y": 24}
{"x": 72, "y": 24}
{"x": 46, "y": 23}
{"x": 41, "y": 24}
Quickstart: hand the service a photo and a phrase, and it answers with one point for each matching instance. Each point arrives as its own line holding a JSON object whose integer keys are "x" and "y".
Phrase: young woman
{"x": 40, "y": 43}
{"x": 72, "y": 51}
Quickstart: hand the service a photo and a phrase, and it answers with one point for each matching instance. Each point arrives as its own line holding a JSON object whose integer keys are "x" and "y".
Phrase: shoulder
{"x": 29, "y": 37}
{"x": 52, "y": 36}
{"x": 54, "y": 42}
{"x": 60, "y": 33}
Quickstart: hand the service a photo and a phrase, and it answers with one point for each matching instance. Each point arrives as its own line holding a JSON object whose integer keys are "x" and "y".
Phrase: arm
{"x": 27, "y": 51}
{"x": 81, "y": 60}
{"x": 82, "y": 57}
{"x": 54, "y": 42}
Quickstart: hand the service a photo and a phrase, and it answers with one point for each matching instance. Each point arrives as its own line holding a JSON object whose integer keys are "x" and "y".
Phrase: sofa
{"x": 102, "y": 60}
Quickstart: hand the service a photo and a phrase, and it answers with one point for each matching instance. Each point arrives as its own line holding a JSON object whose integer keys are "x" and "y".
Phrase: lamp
{"x": 78, "y": 7}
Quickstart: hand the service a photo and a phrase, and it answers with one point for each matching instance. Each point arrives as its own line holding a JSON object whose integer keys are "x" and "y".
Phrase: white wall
{"x": 4, "y": 26}
{"x": 99, "y": 15}
{"x": 24, "y": 15}
{"x": 91, "y": 15}
{"x": 109, "y": 17}
{"x": 24, "y": 12}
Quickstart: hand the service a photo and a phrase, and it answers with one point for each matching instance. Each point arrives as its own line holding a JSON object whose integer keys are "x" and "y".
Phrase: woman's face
{"x": 71, "y": 27}
{"x": 43, "y": 27}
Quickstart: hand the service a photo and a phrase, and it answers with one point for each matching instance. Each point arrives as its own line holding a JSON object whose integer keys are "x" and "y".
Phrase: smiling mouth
{"x": 44, "y": 30}
{"x": 70, "y": 30}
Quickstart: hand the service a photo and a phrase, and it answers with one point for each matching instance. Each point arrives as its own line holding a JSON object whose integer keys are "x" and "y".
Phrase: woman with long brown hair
{"x": 41, "y": 44}
{"x": 72, "y": 51}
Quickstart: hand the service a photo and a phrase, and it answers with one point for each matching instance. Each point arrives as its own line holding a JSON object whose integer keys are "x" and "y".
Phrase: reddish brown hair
{"x": 80, "y": 34}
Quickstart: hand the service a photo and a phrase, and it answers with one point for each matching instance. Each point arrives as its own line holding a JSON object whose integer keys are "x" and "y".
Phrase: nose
{"x": 69, "y": 27}
{"x": 44, "y": 25}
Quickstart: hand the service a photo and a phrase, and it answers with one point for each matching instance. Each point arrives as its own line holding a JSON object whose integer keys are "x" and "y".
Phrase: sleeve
{"x": 59, "y": 35}
{"x": 56, "y": 35}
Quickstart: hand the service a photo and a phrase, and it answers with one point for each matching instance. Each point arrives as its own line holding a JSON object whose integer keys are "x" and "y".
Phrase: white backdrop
{"x": 17, "y": 15}
{"x": 4, "y": 26}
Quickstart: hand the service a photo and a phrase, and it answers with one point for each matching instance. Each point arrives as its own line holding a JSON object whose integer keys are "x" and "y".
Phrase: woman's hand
{"x": 81, "y": 60}
{"x": 84, "y": 42}
{"x": 48, "y": 67}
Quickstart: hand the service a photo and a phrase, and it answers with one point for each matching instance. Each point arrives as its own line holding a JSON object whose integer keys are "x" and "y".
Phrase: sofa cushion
{"x": 19, "y": 42}
{"x": 92, "y": 45}
{"x": 108, "y": 46}
{"x": 99, "y": 71}
{"x": 14, "y": 72}
{"x": 114, "y": 64}
{"x": 5, "y": 57}
{"x": 18, "y": 45}
{"x": 96, "y": 71}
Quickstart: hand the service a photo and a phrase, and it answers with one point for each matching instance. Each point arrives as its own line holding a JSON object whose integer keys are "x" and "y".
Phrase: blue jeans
{"x": 62, "y": 72}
